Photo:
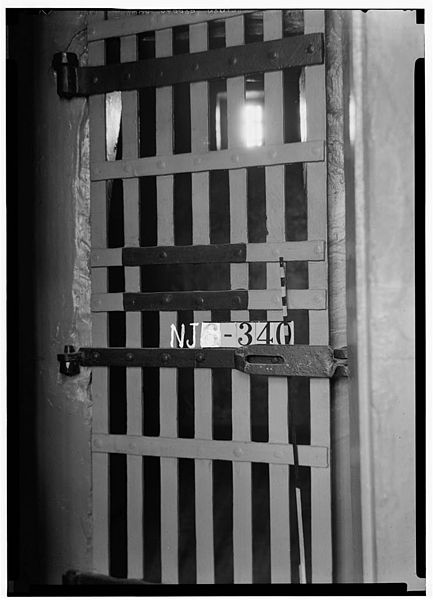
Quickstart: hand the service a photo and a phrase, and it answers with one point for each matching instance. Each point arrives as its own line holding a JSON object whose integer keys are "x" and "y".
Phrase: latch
{"x": 294, "y": 361}
{"x": 259, "y": 359}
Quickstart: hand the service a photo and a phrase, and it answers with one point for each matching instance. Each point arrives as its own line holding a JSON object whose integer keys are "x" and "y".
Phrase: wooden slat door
{"x": 241, "y": 452}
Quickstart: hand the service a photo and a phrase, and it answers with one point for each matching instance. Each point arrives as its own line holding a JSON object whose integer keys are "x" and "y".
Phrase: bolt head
{"x": 96, "y": 355}
{"x": 167, "y": 298}
{"x": 233, "y": 60}
{"x": 165, "y": 358}
{"x": 200, "y": 357}
{"x": 310, "y": 49}
{"x": 129, "y": 356}
{"x": 163, "y": 254}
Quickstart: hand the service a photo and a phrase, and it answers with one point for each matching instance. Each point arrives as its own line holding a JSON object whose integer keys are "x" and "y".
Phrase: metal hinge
{"x": 271, "y": 360}
{"x": 294, "y": 51}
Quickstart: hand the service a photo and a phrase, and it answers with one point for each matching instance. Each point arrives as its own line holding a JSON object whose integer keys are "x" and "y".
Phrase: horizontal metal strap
{"x": 258, "y": 57}
{"x": 154, "y": 20}
{"x": 269, "y": 360}
{"x": 295, "y": 152}
{"x": 214, "y": 253}
{"x": 282, "y": 454}
{"x": 204, "y": 300}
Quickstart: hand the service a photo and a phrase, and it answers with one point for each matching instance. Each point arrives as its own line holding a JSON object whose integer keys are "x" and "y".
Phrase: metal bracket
{"x": 274, "y": 55}
{"x": 271, "y": 360}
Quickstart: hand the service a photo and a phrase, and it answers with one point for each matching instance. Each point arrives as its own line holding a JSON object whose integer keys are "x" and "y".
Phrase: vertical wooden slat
{"x": 278, "y": 388}
{"x": 241, "y": 413}
{"x": 168, "y": 377}
{"x": 198, "y": 41}
{"x": 133, "y": 323}
{"x": 321, "y": 543}
{"x": 100, "y": 424}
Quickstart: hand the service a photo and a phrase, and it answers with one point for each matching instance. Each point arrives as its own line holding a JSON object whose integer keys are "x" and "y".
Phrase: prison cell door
{"x": 194, "y": 211}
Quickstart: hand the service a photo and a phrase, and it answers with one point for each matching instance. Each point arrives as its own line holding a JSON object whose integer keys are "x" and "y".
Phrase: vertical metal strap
{"x": 133, "y": 323}
{"x": 315, "y": 97}
{"x": 168, "y": 377}
{"x": 278, "y": 388}
{"x": 241, "y": 418}
{"x": 198, "y": 39}
{"x": 98, "y": 212}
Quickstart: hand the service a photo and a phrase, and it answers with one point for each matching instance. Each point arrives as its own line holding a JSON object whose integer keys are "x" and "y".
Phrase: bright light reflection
{"x": 252, "y": 125}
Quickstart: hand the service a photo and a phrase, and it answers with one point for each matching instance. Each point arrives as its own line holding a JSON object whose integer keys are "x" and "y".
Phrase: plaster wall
{"x": 385, "y": 47}
{"x": 56, "y": 186}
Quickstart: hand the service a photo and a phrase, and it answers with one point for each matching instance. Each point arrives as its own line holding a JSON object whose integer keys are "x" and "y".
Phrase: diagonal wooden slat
{"x": 236, "y": 158}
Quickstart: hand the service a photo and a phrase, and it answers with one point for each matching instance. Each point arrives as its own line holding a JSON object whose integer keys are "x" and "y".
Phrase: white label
{"x": 232, "y": 335}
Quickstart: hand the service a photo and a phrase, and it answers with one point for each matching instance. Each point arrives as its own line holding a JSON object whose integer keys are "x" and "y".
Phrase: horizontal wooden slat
{"x": 154, "y": 20}
{"x": 210, "y": 449}
{"x": 224, "y": 159}
{"x": 201, "y": 300}
{"x": 216, "y": 253}
{"x": 260, "y": 57}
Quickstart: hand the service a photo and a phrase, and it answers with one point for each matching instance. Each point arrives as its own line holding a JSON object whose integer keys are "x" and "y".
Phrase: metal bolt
{"x": 163, "y": 254}
{"x": 161, "y": 73}
{"x": 199, "y": 300}
{"x": 133, "y": 446}
{"x": 318, "y": 249}
{"x": 127, "y": 75}
{"x": 196, "y": 67}
{"x": 165, "y": 358}
{"x": 167, "y": 298}
{"x": 240, "y": 252}
{"x": 161, "y": 164}
{"x": 279, "y": 454}
{"x": 310, "y": 49}
{"x": 197, "y": 160}
{"x": 273, "y": 154}
{"x": 96, "y": 355}
{"x": 128, "y": 169}
{"x": 95, "y": 79}
{"x": 273, "y": 54}
{"x": 97, "y": 443}
{"x": 238, "y": 452}
{"x": 129, "y": 356}
{"x": 238, "y": 300}
{"x": 200, "y": 357}
{"x": 274, "y": 359}
{"x": 233, "y": 60}
{"x": 235, "y": 158}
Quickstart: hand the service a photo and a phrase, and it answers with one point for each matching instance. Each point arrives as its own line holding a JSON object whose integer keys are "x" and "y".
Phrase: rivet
{"x": 233, "y": 60}
{"x": 95, "y": 79}
{"x": 318, "y": 249}
{"x": 240, "y": 252}
{"x": 278, "y": 454}
{"x": 197, "y": 160}
{"x": 127, "y": 75}
{"x": 128, "y": 169}
{"x": 196, "y": 67}
{"x": 96, "y": 355}
{"x": 97, "y": 443}
{"x": 273, "y": 54}
{"x": 167, "y": 298}
{"x": 129, "y": 356}
{"x": 199, "y": 300}
{"x": 163, "y": 254}
{"x": 238, "y": 451}
{"x": 161, "y": 73}
{"x": 274, "y": 359}
{"x": 273, "y": 154}
{"x": 133, "y": 446}
{"x": 200, "y": 357}
{"x": 238, "y": 300}
{"x": 235, "y": 158}
{"x": 161, "y": 164}
{"x": 165, "y": 358}
{"x": 310, "y": 49}
{"x": 92, "y": 31}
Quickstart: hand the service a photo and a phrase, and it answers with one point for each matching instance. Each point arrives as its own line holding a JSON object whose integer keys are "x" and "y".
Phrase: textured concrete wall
{"x": 60, "y": 195}
{"x": 386, "y": 45}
